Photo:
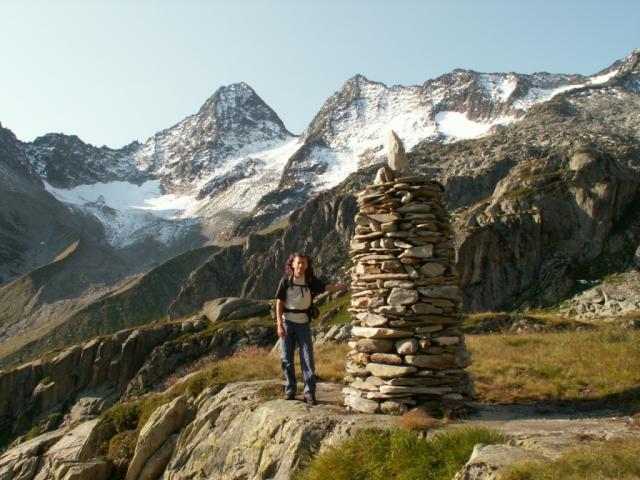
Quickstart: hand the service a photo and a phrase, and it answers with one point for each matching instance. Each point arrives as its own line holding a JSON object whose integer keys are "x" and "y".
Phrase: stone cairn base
{"x": 407, "y": 347}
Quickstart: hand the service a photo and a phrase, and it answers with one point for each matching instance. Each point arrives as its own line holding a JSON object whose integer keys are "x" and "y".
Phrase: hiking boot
{"x": 310, "y": 399}
{"x": 289, "y": 396}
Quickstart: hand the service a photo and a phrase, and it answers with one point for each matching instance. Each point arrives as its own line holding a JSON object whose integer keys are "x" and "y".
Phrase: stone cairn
{"x": 407, "y": 347}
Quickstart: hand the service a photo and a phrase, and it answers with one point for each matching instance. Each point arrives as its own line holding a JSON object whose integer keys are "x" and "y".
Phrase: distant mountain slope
{"x": 34, "y": 226}
{"x": 142, "y": 299}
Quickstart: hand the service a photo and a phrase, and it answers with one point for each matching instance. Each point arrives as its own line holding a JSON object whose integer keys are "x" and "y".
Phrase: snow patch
{"x": 498, "y": 86}
{"x": 339, "y": 165}
{"x": 457, "y": 125}
{"x": 605, "y": 77}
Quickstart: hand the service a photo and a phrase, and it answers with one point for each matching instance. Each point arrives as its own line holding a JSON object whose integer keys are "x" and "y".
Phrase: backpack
{"x": 312, "y": 312}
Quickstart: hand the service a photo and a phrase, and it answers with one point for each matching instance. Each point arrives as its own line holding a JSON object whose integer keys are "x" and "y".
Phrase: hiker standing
{"x": 294, "y": 298}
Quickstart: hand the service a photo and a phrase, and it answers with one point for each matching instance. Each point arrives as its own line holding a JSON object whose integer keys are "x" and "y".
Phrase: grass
{"x": 575, "y": 365}
{"x": 614, "y": 279}
{"x": 501, "y": 321}
{"x": 397, "y": 454}
{"x": 615, "y": 459}
{"x": 341, "y": 304}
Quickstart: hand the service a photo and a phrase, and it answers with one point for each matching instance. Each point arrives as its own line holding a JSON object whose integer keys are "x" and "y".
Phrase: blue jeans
{"x": 298, "y": 334}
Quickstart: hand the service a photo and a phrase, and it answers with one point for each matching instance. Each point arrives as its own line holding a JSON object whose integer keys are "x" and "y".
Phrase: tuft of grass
{"x": 272, "y": 391}
{"x": 614, "y": 279}
{"x": 398, "y": 454}
{"x": 596, "y": 364}
{"x": 419, "y": 420}
{"x": 615, "y": 459}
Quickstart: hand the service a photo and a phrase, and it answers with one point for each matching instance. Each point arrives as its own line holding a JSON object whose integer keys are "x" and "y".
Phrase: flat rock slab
{"x": 238, "y": 434}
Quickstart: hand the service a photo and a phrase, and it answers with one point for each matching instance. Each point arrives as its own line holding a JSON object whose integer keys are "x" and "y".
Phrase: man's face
{"x": 299, "y": 265}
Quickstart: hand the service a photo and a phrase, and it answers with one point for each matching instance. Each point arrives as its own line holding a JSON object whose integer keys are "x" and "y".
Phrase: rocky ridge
{"x": 238, "y": 431}
{"x": 347, "y": 132}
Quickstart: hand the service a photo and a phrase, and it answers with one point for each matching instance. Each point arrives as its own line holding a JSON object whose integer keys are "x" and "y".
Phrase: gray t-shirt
{"x": 297, "y": 296}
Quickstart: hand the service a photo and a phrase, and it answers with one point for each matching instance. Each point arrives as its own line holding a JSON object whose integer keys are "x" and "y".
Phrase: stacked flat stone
{"x": 407, "y": 347}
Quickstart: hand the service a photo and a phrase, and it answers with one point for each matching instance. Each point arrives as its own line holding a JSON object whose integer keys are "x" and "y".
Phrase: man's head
{"x": 298, "y": 264}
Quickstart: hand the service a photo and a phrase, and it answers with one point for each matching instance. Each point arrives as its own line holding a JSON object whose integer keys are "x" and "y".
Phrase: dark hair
{"x": 288, "y": 266}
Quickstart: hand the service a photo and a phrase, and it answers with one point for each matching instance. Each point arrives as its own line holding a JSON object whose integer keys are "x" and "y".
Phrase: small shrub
{"x": 124, "y": 416}
{"x": 418, "y": 420}
{"x": 121, "y": 448}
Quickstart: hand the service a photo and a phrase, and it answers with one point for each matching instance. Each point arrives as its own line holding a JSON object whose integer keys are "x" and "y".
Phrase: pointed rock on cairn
{"x": 407, "y": 347}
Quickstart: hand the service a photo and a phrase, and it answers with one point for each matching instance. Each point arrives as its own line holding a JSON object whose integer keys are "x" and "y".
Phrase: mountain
{"x": 542, "y": 195}
{"x": 34, "y": 226}
{"x": 350, "y": 129}
{"x": 192, "y": 177}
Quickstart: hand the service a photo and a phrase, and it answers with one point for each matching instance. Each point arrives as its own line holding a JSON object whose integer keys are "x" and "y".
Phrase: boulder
{"x": 164, "y": 422}
{"x": 397, "y": 159}
{"x": 233, "y": 308}
{"x": 488, "y": 462}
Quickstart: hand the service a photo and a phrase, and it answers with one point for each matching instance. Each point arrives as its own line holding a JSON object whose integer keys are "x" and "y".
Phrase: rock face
{"x": 405, "y": 291}
{"x": 29, "y": 391}
{"x": 237, "y": 435}
{"x": 233, "y": 308}
{"x": 63, "y": 454}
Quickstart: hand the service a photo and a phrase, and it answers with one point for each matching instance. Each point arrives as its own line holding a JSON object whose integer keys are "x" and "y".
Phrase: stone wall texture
{"x": 407, "y": 346}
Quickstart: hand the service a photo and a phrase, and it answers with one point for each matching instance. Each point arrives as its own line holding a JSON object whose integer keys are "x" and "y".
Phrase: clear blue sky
{"x": 114, "y": 71}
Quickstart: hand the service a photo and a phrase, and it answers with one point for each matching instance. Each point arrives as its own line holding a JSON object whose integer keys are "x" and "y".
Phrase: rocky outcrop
{"x": 157, "y": 440}
{"x": 236, "y": 434}
{"x": 219, "y": 343}
{"x": 338, "y": 333}
{"x": 233, "y": 308}
{"x": 487, "y": 462}
{"x": 617, "y": 297}
{"x": 239, "y": 431}
{"x": 104, "y": 365}
{"x": 67, "y": 453}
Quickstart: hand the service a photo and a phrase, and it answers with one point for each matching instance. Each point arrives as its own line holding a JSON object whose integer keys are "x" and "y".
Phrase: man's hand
{"x": 337, "y": 287}
{"x": 281, "y": 330}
